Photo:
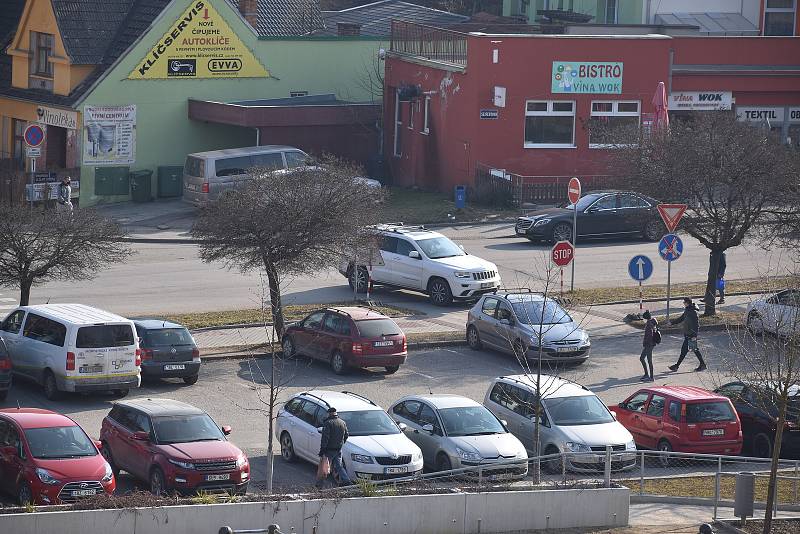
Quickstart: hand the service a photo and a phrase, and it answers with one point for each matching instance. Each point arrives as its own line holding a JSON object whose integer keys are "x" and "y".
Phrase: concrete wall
{"x": 435, "y": 514}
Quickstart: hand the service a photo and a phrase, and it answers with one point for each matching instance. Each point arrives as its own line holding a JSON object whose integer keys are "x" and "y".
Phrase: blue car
{"x": 5, "y": 370}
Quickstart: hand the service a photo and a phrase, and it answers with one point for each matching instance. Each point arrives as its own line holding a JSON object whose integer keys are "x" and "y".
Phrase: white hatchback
{"x": 377, "y": 449}
{"x": 778, "y": 314}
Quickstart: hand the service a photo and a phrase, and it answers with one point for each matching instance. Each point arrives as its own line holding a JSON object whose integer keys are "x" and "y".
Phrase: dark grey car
{"x": 168, "y": 350}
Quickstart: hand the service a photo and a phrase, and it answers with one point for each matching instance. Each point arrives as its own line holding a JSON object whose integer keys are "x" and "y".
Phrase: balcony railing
{"x": 428, "y": 42}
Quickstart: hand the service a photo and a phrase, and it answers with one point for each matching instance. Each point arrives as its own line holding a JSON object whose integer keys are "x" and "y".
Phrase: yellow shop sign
{"x": 200, "y": 44}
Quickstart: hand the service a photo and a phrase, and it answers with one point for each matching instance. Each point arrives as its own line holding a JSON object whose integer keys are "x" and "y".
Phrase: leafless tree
{"x": 288, "y": 223}
{"x": 37, "y": 246}
{"x": 729, "y": 173}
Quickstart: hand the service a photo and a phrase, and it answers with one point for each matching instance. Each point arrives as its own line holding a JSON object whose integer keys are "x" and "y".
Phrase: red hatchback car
{"x": 681, "y": 419}
{"x": 46, "y": 458}
{"x": 351, "y": 336}
{"x": 173, "y": 446}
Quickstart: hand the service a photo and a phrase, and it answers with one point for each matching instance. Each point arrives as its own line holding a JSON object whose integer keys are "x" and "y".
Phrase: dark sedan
{"x": 600, "y": 214}
{"x": 168, "y": 350}
{"x": 759, "y": 414}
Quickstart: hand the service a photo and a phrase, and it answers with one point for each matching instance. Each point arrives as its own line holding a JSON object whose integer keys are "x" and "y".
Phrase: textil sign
{"x": 200, "y": 44}
{"x": 591, "y": 78}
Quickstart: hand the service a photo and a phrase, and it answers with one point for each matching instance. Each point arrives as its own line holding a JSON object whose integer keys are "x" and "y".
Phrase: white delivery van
{"x": 206, "y": 175}
{"x": 73, "y": 347}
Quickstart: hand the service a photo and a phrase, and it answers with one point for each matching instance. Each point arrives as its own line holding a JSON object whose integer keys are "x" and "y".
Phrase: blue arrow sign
{"x": 670, "y": 247}
{"x": 640, "y": 268}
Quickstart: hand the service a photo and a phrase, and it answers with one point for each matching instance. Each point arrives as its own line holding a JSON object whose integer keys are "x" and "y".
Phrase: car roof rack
{"x": 307, "y": 394}
{"x": 533, "y": 384}
{"x": 360, "y": 397}
{"x": 400, "y": 227}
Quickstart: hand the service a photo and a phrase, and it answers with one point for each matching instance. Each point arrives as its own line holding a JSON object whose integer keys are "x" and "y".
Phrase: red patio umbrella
{"x": 661, "y": 117}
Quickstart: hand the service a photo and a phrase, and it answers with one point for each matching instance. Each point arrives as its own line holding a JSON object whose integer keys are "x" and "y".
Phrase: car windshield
{"x": 540, "y": 312}
{"x": 470, "y": 421}
{"x": 439, "y": 247}
{"x": 584, "y": 202}
{"x": 186, "y": 428}
{"x": 369, "y": 423}
{"x": 377, "y": 328}
{"x": 709, "y": 412}
{"x": 59, "y": 442}
{"x": 573, "y": 411}
{"x": 168, "y": 336}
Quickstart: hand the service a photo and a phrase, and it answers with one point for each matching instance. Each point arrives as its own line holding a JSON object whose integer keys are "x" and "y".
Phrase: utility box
{"x": 461, "y": 196}
{"x": 745, "y": 494}
{"x": 170, "y": 181}
{"x": 141, "y": 190}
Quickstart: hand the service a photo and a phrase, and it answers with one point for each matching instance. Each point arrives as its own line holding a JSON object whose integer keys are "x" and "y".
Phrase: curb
{"x": 678, "y": 330}
{"x": 165, "y": 240}
{"x": 701, "y": 501}
{"x": 694, "y": 297}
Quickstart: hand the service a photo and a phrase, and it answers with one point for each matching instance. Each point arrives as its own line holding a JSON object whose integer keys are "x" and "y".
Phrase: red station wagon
{"x": 681, "y": 419}
{"x": 348, "y": 337}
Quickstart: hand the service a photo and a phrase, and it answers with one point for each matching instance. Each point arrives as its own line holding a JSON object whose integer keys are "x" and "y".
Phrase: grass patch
{"x": 293, "y": 312}
{"x": 422, "y": 207}
{"x": 703, "y": 487}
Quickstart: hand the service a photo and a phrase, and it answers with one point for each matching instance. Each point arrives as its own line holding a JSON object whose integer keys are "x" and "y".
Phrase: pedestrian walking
{"x": 651, "y": 334}
{"x": 721, "y": 277}
{"x": 65, "y": 195}
{"x": 334, "y": 436}
{"x": 691, "y": 327}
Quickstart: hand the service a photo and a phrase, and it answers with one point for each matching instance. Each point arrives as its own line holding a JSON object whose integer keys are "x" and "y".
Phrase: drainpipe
{"x": 669, "y": 76}
{"x": 258, "y": 136}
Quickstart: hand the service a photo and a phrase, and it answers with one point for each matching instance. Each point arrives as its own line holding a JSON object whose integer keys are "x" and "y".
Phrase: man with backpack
{"x": 652, "y": 337}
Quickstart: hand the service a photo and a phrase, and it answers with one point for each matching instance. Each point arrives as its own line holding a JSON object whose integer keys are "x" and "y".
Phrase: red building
{"x": 457, "y": 104}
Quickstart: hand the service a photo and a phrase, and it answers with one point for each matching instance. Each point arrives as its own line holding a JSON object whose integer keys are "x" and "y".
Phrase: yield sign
{"x": 671, "y": 215}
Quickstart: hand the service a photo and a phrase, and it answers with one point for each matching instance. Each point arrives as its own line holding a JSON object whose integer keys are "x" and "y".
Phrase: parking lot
{"x": 228, "y": 389}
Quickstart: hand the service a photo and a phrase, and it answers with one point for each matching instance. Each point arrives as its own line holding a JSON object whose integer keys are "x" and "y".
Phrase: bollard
{"x": 608, "y": 467}
{"x": 641, "y": 475}
{"x": 744, "y": 497}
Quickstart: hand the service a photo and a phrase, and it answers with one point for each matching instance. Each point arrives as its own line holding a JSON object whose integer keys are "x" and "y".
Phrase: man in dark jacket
{"x": 691, "y": 326}
{"x": 334, "y": 436}
{"x": 721, "y": 277}
{"x": 648, "y": 343}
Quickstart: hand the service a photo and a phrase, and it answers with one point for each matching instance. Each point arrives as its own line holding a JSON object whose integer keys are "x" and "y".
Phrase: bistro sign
{"x": 700, "y": 100}
{"x": 587, "y": 78}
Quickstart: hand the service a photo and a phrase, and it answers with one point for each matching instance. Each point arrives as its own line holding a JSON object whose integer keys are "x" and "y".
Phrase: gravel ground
{"x": 778, "y": 527}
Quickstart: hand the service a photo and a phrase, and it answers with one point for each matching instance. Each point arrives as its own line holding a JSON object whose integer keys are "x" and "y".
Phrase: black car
{"x": 168, "y": 350}
{"x": 600, "y": 214}
{"x": 5, "y": 370}
{"x": 758, "y": 414}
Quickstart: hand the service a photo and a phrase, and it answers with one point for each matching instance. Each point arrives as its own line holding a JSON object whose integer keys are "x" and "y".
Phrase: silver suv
{"x": 516, "y": 322}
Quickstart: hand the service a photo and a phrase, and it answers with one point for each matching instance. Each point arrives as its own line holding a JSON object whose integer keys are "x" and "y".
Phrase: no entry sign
{"x": 574, "y": 190}
{"x": 562, "y": 253}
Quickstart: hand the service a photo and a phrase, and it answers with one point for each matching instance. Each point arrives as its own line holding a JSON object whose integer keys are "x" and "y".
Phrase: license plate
{"x": 484, "y": 285}
{"x": 383, "y": 343}
{"x": 501, "y": 476}
{"x": 714, "y": 432}
{"x": 191, "y": 187}
{"x": 394, "y": 470}
{"x": 211, "y": 478}
{"x": 520, "y": 232}
{"x": 175, "y": 367}
{"x": 89, "y": 369}
{"x": 83, "y": 493}
{"x": 565, "y": 349}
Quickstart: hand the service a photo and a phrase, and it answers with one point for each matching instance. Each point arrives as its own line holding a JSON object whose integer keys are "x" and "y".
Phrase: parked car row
{"x": 78, "y": 348}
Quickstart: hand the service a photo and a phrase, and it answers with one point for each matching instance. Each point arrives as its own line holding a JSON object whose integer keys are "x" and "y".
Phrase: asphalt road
{"x": 229, "y": 389}
{"x": 171, "y": 277}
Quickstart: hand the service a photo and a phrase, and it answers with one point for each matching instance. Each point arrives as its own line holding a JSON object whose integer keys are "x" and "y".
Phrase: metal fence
{"x": 428, "y": 42}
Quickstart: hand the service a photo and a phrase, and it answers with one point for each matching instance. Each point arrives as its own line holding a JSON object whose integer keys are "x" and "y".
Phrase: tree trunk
{"x": 273, "y": 397}
{"x": 772, "y": 489}
{"x": 275, "y": 298}
{"x": 711, "y": 283}
{"x": 25, "y": 291}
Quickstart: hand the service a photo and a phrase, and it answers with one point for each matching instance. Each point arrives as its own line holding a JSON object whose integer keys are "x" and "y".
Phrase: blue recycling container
{"x": 461, "y": 196}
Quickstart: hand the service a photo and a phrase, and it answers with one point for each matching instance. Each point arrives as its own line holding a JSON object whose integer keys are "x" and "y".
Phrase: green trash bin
{"x": 140, "y": 186}
{"x": 170, "y": 181}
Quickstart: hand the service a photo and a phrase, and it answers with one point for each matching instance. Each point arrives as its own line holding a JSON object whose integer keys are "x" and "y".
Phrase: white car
{"x": 413, "y": 257}
{"x": 778, "y": 314}
{"x": 377, "y": 449}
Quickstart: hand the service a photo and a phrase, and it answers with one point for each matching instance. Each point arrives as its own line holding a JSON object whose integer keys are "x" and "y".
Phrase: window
{"x": 404, "y": 247}
{"x": 411, "y": 108}
{"x": 489, "y": 306}
{"x": 313, "y": 320}
{"x": 337, "y": 324}
{"x": 613, "y": 123}
{"x": 675, "y": 411}
{"x": 428, "y": 417}
{"x": 9, "y": 437}
{"x": 141, "y": 423}
{"x": 194, "y": 167}
{"x": 13, "y": 322}
{"x": 124, "y": 417}
{"x": 233, "y": 166}
{"x": 408, "y": 410}
{"x": 398, "y": 122}
{"x": 611, "y": 11}
{"x": 503, "y": 311}
{"x": 608, "y": 202}
{"x": 636, "y": 404}
{"x": 632, "y": 201}
{"x": 19, "y": 143}
{"x": 110, "y": 335}
{"x": 293, "y": 406}
{"x": 779, "y": 17}
{"x": 706, "y": 412}
{"x": 656, "y": 406}
{"x": 426, "y": 125}
{"x": 389, "y": 244}
{"x": 378, "y": 328}
{"x": 308, "y": 413}
{"x": 267, "y": 161}
{"x": 168, "y": 337}
{"x": 733, "y": 390}
{"x": 44, "y": 330}
{"x": 549, "y": 124}
{"x": 41, "y": 50}
{"x": 296, "y": 159}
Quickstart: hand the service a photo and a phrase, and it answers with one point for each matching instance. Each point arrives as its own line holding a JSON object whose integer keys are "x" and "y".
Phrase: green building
{"x": 601, "y": 11}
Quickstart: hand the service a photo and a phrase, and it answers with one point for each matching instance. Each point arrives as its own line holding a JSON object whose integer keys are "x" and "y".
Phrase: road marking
{"x": 7, "y": 299}
{"x": 423, "y": 374}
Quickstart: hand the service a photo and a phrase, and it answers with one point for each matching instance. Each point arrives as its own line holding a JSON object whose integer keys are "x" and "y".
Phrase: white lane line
{"x": 7, "y": 299}
{"x": 423, "y": 375}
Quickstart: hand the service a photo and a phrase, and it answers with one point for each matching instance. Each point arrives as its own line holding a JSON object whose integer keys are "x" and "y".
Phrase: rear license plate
{"x": 500, "y": 476}
{"x": 383, "y": 343}
{"x": 191, "y": 187}
{"x": 211, "y": 478}
{"x": 83, "y": 493}
{"x": 484, "y": 285}
{"x": 395, "y": 470}
{"x": 565, "y": 349}
{"x": 89, "y": 369}
{"x": 175, "y": 367}
{"x": 714, "y": 432}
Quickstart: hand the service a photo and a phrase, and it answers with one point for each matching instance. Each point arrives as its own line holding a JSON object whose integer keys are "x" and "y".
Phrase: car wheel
{"x": 288, "y": 347}
{"x": 473, "y": 339}
{"x": 562, "y": 232}
{"x": 24, "y": 494}
{"x": 443, "y": 463}
{"x": 755, "y": 323}
{"x": 439, "y": 292}
{"x": 121, "y": 393}
{"x": 51, "y": 390}
{"x": 190, "y": 380}
{"x": 653, "y": 230}
{"x": 337, "y": 363}
{"x": 358, "y": 278}
{"x": 287, "y": 448}
{"x": 157, "y": 484}
{"x": 664, "y": 447}
{"x": 552, "y": 466}
{"x": 392, "y": 369}
{"x": 105, "y": 450}
{"x": 762, "y": 446}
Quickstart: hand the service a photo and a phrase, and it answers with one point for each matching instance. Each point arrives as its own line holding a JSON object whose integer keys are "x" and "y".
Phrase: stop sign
{"x": 574, "y": 190}
{"x": 562, "y": 253}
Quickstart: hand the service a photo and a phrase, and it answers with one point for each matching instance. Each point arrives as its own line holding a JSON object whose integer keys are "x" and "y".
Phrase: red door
{"x": 306, "y": 339}
{"x": 652, "y": 421}
{"x": 630, "y": 415}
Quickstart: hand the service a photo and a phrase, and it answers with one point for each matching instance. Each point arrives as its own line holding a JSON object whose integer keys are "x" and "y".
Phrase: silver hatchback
{"x": 518, "y": 323}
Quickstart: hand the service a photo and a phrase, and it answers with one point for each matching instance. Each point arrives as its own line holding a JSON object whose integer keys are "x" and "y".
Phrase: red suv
{"x": 348, "y": 337}
{"x": 174, "y": 446}
{"x": 682, "y": 419}
{"x": 46, "y": 458}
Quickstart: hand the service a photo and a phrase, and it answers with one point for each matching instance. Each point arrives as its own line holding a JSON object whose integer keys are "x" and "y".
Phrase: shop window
{"x": 550, "y": 124}
{"x": 611, "y": 11}
{"x": 42, "y": 49}
{"x": 19, "y": 143}
{"x": 613, "y": 123}
{"x": 779, "y": 17}
{"x": 426, "y": 125}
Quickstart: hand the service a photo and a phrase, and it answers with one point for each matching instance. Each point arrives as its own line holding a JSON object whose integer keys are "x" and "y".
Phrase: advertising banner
{"x": 587, "y": 78}
{"x": 700, "y": 100}
{"x": 109, "y": 135}
{"x": 199, "y": 45}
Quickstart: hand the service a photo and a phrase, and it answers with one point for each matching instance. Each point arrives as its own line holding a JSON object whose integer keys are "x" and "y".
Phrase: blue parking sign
{"x": 640, "y": 268}
{"x": 670, "y": 247}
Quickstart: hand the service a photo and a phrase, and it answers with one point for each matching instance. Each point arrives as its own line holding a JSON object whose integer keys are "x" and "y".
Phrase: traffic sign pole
{"x": 669, "y": 272}
{"x": 670, "y": 248}
{"x": 640, "y": 295}
{"x": 574, "y": 195}
{"x": 562, "y": 281}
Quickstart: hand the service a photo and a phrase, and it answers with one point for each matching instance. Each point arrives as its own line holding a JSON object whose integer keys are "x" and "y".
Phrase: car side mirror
{"x": 461, "y": 247}
{"x": 414, "y": 255}
{"x": 227, "y": 430}
{"x": 504, "y": 423}
{"x": 613, "y": 414}
{"x": 141, "y": 435}
{"x": 534, "y": 418}
{"x": 428, "y": 428}
{"x": 98, "y": 444}
{"x": 402, "y": 427}
{"x": 319, "y": 429}
{"x": 621, "y": 405}
{"x": 507, "y": 321}
{"x": 593, "y": 209}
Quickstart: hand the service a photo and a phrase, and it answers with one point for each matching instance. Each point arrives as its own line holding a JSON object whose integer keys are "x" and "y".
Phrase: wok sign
{"x": 587, "y": 78}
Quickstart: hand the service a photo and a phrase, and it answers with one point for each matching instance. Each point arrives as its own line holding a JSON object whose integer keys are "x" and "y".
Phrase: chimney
{"x": 249, "y": 10}
{"x": 348, "y": 28}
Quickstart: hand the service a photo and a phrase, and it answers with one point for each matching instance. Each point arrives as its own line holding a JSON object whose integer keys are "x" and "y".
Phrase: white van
{"x": 206, "y": 175}
{"x": 73, "y": 347}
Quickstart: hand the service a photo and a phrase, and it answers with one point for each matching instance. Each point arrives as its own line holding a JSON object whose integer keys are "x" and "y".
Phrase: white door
{"x": 11, "y": 330}
{"x": 407, "y": 271}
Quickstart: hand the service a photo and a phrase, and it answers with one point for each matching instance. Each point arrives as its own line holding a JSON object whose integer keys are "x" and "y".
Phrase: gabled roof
{"x": 375, "y": 19}
{"x": 284, "y": 18}
{"x": 88, "y": 26}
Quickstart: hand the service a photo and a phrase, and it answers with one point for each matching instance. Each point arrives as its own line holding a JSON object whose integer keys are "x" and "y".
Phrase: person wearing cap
{"x": 334, "y": 436}
{"x": 648, "y": 343}
{"x": 691, "y": 327}
{"x": 65, "y": 195}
